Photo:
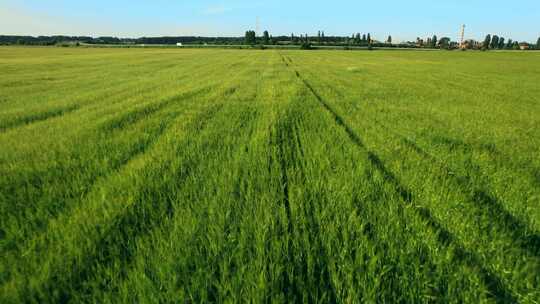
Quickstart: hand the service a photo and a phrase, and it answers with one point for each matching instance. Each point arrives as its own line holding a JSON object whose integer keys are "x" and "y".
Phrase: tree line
{"x": 498, "y": 43}
{"x": 358, "y": 39}
{"x": 491, "y": 42}
{"x": 58, "y": 39}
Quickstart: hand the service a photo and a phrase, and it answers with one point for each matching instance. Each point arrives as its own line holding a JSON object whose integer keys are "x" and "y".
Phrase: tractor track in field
{"x": 138, "y": 220}
{"x": 117, "y": 124}
{"x": 492, "y": 206}
{"x": 46, "y": 115}
{"x": 245, "y": 124}
{"x": 284, "y": 181}
{"x": 88, "y": 101}
{"x": 138, "y": 114}
{"x": 490, "y": 149}
{"x": 373, "y": 158}
{"x": 141, "y": 149}
{"x": 38, "y": 117}
{"x": 277, "y": 139}
{"x": 117, "y": 165}
{"x": 496, "y": 287}
{"x": 138, "y": 150}
{"x": 61, "y": 111}
{"x": 528, "y": 238}
{"x": 290, "y": 158}
{"x": 143, "y": 112}
{"x": 125, "y": 158}
{"x": 404, "y": 194}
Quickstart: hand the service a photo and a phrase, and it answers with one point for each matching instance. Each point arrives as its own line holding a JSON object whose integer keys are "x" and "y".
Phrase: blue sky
{"x": 404, "y": 20}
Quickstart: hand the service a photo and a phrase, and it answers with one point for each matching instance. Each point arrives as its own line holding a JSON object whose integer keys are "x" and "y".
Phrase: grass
{"x": 167, "y": 175}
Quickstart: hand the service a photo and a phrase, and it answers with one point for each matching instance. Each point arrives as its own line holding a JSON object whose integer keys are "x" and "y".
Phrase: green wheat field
{"x": 196, "y": 175}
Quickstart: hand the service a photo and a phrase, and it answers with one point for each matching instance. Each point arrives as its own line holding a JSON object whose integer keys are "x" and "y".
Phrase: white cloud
{"x": 216, "y": 9}
{"x": 17, "y": 21}
{"x": 13, "y": 21}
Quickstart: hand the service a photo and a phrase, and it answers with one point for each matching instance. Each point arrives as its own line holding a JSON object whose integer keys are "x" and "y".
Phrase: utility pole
{"x": 462, "y": 37}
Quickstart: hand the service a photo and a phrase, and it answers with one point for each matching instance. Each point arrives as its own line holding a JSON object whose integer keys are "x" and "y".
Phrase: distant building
{"x": 470, "y": 44}
{"x": 179, "y": 44}
{"x": 524, "y": 46}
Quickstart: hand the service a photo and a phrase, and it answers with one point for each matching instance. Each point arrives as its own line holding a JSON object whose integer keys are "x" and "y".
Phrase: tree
{"x": 494, "y": 42}
{"x": 538, "y": 44}
{"x": 266, "y": 37}
{"x": 389, "y": 40}
{"x": 369, "y": 38}
{"x": 444, "y": 42}
{"x": 509, "y": 44}
{"x": 487, "y": 41}
{"x": 250, "y": 37}
{"x": 434, "y": 41}
{"x": 305, "y": 46}
{"x": 501, "y": 43}
{"x": 357, "y": 38}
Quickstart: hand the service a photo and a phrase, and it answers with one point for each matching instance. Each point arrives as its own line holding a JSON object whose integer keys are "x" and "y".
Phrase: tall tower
{"x": 462, "y": 37}
{"x": 258, "y": 26}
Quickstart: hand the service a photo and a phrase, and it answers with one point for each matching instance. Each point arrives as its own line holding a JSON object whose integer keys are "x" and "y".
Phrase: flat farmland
{"x": 194, "y": 175}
